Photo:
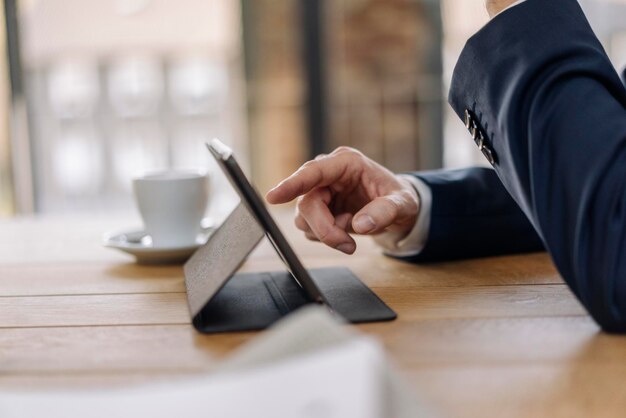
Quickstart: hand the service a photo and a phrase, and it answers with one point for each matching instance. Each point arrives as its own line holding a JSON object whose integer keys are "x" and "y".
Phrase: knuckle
{"x": 310, "y": 236}
{"x": 408, "y": 203}
{"x": 408, "y": 197}
{"x": 353, "y": 156}
{"x": 323, "y": 234}
{"x": 305, "y": 205}
{"x": 313, "y": 197}
{"x": 301, "y": 223}
{"x": 344, "y": 149}
{"x": 394, "y": 202}
{"x": 309, "y": 164}
{"x": 304, "y": 202}
{"x": 311, "y": 170}
{"x": 329, "y": 236}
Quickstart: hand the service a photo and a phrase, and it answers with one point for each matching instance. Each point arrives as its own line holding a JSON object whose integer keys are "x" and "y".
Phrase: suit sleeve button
{"x": 479, "y": 139}
{"x": 489, "y": 154}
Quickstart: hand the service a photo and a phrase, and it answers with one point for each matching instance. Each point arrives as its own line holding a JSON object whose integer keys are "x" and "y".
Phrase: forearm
{"x": 553, "y": 110}
{"x": 474, "y": 216}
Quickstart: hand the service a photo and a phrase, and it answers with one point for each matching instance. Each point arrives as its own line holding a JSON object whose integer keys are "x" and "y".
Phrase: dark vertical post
{"x": 13, "y": 50}
{"x": 22, "y": 157}
{"x": 430, "y": 104}
{"x": 251, "y": 62}
{"x": 313, "y": 59}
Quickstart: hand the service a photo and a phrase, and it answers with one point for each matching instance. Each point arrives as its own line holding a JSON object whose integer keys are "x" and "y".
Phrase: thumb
{"x": 383, "y": 212}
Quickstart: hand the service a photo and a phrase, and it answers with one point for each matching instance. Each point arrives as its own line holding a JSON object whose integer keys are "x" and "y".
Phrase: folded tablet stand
{"x": 221, "y": 301}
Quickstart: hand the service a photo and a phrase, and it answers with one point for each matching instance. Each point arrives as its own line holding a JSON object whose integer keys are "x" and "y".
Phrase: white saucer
{"x": 139, "y": 244}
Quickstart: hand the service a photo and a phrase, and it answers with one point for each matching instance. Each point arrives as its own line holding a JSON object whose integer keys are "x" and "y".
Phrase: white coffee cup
{"x": 172, "y": 204}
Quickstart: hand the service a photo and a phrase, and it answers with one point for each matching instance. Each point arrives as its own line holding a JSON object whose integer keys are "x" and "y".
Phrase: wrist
{"x": 496, "y": 6}
{"x": 413, "y": 201}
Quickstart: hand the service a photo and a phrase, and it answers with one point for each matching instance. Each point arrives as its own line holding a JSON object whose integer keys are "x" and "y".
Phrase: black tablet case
{"x": 221, "y": 301}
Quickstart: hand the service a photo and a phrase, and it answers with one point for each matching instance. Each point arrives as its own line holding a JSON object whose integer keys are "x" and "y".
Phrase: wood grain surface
{"x": 498, "y": 336}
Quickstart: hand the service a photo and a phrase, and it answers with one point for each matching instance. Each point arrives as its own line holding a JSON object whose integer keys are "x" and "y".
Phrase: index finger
{"x": 313, "y": 174}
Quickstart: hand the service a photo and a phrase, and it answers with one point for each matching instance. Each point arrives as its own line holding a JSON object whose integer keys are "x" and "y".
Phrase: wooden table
{"x": 492, "y": 337}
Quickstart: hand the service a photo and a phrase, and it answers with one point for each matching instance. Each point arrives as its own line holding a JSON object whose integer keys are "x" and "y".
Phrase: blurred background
{"x": 93, "y": 92}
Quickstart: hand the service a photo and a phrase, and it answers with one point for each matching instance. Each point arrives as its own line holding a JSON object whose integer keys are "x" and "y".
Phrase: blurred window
{"x": 114, "y": 88}
{"x": 118, "y": 87}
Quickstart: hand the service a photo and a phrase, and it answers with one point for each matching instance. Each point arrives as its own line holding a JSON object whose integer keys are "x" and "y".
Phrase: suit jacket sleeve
{"x": 542, "y": 99}
{"x": 473, "y": 215}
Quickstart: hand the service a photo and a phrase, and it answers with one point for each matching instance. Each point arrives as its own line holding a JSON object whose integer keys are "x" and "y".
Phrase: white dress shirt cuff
{"x": 413, "y": 243}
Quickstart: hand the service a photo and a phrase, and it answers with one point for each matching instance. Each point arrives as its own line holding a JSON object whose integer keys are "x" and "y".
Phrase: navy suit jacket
{"x": 544, "y": 104}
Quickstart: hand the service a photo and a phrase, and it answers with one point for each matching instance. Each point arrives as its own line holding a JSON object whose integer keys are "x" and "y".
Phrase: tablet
{"x": 256, "y": 206}
{"x": 220, "y": 299}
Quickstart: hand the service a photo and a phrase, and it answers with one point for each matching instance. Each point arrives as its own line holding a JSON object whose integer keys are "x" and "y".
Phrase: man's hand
{"x": 347, "y": 192}
{"x": 496, "y": 6}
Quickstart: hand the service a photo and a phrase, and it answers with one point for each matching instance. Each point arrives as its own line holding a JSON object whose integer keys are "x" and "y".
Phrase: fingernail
{"x": 364, "y": 224}
{"x": 346, "y": 247}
